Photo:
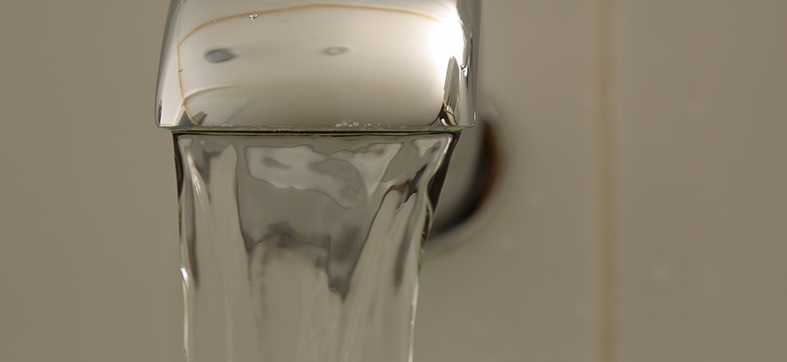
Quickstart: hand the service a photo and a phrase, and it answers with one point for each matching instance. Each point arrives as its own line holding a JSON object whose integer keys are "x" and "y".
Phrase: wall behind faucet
{"x": 700, "y": 172}
{"x": 639, "y": 216}
{"x": 87, "y": 192}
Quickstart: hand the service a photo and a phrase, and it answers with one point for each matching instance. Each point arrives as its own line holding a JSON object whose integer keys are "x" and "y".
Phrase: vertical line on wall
{"x": 606, "y": 250}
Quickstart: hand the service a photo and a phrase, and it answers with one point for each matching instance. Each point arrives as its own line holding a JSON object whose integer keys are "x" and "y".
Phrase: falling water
{"x": 304, "y": 247}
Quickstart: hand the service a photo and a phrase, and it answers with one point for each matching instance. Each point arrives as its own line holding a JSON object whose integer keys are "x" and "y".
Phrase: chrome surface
{"x": 342, "y": 65}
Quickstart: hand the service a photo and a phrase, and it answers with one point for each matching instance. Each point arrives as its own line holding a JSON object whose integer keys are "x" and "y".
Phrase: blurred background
{"x": 639, "y": 214}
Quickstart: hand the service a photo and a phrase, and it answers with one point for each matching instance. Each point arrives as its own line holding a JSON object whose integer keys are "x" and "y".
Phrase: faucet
{"x": 312, "y": 140}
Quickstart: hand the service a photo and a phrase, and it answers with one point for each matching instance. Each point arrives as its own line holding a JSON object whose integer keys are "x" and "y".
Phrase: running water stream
{"x": 300, "y": 247}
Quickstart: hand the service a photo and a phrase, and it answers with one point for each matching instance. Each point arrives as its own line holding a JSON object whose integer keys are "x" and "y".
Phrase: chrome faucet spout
{"x": 341, "y": 65}
{"x": 312, "y": 139}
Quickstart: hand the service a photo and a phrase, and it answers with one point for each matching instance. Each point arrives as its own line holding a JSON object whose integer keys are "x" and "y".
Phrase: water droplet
{"x": 335, "y": 50}
{"x": 253, "y": 16}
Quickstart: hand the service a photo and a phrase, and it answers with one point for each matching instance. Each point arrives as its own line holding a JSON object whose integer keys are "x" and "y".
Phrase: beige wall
{"x": 639, "y": 216}
{"x": 700, "y": 126}
{"x": 86, "y": 193}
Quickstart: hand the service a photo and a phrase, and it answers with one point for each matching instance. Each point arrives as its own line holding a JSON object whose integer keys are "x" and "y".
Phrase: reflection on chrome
{"x": 317, "y": 65}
